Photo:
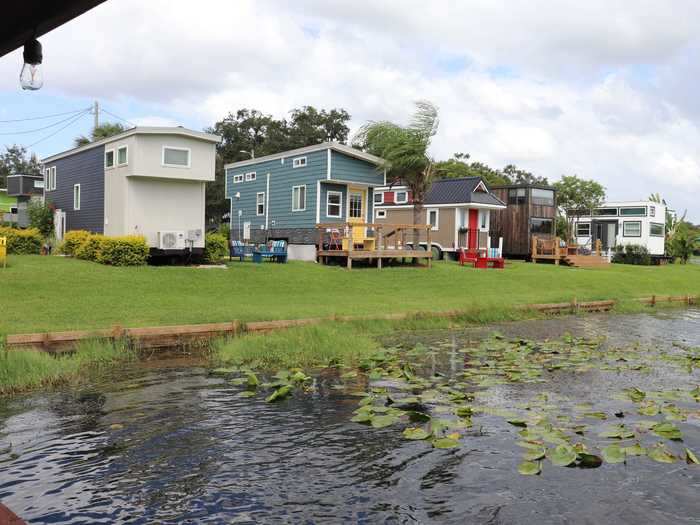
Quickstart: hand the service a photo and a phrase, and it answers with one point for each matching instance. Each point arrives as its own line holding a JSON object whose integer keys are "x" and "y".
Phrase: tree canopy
{"x": 249, "y": 132}
{"x": 459, "y": 166}
{"x": 578, "y": 196}
{"x": 17, "y": 160}
{"x": 103, "y": 131}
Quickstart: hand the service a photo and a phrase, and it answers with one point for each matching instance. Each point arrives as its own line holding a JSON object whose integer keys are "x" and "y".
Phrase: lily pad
{"x": 535, "y": 454}
{"x": 589, "y": 461}
{"x": 416, "y": 433}
{"x": 279, "y": 394}
{"x": 530, "y": 468}
{"x": 635, "y": 450}
{"x": 613, "y": 454}
{"x": 445, "y": 443}
{"x": 562, "y": 455}
{"x": 247, "y": 393}
{"x": 617, "y": 431}
{"x": 252, "y": 380}
{"x": 383, "y": 421}
{"x": 691, "y": 458}
{"x": 661, "y": 454}
{"x": 668, "y": 431}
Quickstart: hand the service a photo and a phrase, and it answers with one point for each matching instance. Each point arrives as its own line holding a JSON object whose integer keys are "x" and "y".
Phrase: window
{"x": 251, "y": 176}
{"x": 260, "y": 203}
{"x": 652, "y": 211}
{"x": 605, "y": 212}
{"x": 517, "y": 196}
{"x": 50, "y": 175}
{"x": 298, "y": 198}
{"x": 381, "y": 214}
{"x": 334, "y": 204}
{"x": 355, "y": 210}
{"x": 633, "y": 212}
{"x": 176, "y": 157}
{"x": 109, "y": 158}
{"x": 583, "y": 229}
{"x": 76, "y": 196}
{"x": 434, "y": 219}
{"x": 632, "y": 229}
{"x": 122, "y": 155}
{"x": 299, "y": 162}
{"x": 542, "y": 197}
{"x": 238, "y": 178}
{"x": 401, "y": 197}
{"x": 483, "y": 215}
{"x": 656, "y": 229}
{"x": 541, "y": 226}
{"x": 378, "y": 197}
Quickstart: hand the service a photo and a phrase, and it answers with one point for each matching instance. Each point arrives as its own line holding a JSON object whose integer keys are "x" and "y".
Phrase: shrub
{"x": 41, "y": 217}
{"x": 215, "y": 247}
{"x": 22, "y": 242}
{"x": 89, "y": 250}
{"x": 129, "y": 250}
{"x": 72, "y": 240}
{"x": 632, "y": 254}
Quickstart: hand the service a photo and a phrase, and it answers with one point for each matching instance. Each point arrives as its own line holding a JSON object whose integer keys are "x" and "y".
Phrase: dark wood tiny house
{"x": 531, "y": 209}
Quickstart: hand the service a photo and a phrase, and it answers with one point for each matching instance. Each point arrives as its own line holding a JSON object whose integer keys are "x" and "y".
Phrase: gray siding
{"x": 87, "y": 169}
{"x": 14, "y": 186}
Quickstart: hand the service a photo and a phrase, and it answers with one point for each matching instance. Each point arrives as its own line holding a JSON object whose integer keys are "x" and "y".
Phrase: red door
{"x": 473, "y": 235}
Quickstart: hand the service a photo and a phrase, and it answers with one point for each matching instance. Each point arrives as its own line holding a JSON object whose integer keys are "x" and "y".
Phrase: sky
{"x": 605, "y": 90}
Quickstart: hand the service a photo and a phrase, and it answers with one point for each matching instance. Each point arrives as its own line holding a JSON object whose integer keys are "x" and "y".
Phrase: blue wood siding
{"x": 87, "y": 169}
{"x": 325, "y": 188}
{"x": 344, "y": 168}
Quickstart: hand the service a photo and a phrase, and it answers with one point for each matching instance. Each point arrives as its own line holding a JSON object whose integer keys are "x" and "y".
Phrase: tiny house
{"x": 459, "y": 211}
{"x": 285, "y": 195}
{"x": 623, "y": 223}
{"x": 530, "y": 210}
{"x": 23, "y": 189}
{"x": 146, "y": 181}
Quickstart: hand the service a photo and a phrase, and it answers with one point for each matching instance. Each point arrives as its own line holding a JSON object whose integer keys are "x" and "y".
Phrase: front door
{"x": 607, "y": 233}
{"x": 473, "y": 233}
{"x": 357, "y": 199}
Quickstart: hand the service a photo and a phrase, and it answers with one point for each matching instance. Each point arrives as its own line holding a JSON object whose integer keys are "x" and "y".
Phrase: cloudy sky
{"x": 602, "y": 89}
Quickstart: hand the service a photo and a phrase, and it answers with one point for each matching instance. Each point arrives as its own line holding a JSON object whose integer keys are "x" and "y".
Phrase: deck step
{"x": 585, "y": 261}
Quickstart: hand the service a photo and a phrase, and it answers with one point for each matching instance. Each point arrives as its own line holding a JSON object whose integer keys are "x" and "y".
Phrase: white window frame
{"x": 258, "y": 211}
{"x": 381, "y": 197}
{"x": 396, "y": 197}
{"x": 299, "y": 162}
{"x": 176, "y": 148}
{"x": 586, "y": 224}
{"x": 340, "y": 204}
{"x": 624, "y": 229}
{"x": 437, "y": 218}
{"x": 251, "y": 176}
{"x": 294, "y": 203}
{"x": 237, "y": 179}
{"x": 381, "y": 214}
{"x": 76, "y": 202}
{"x": 116, "y": 159}
{"x": 50, "y": 178}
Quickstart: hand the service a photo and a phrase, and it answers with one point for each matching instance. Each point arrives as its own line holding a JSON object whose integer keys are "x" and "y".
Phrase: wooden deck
{"x": 551, "y": 250}
{"x": 372, "y": 255}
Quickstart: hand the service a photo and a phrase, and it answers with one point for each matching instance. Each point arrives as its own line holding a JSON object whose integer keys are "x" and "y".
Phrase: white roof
{"x": 336, "y": 146}
{"x": 139, "y": 130}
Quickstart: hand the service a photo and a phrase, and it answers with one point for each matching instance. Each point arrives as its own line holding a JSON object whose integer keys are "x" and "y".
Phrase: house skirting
{"x": 308, "y": 236}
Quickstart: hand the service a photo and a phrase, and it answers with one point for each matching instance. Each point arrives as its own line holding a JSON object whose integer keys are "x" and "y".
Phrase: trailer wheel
{"x": 437, "y": 253}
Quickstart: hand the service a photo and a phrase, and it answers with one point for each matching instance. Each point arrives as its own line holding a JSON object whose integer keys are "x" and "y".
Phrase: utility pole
{"x": 96, "y": 113}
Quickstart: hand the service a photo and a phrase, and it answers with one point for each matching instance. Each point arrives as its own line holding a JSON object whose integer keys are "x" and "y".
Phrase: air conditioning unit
{"x": 171, "y": 240}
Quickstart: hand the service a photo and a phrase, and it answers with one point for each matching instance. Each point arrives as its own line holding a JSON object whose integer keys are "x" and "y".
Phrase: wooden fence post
{"x": 556, "y": 251}
{"x": 430, "y": 245}
{"x": 534, "y": 249}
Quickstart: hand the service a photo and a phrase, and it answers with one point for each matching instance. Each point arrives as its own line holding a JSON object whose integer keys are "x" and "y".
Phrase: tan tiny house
{"x": 459, "y": 211}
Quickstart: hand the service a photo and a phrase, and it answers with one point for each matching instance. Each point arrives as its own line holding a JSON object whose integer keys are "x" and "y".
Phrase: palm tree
{"x": 106, "y": 130}
{"x": 404, "y": 150}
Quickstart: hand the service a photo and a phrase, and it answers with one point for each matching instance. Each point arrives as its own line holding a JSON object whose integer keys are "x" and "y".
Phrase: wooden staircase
{"x": 585, "y": 261}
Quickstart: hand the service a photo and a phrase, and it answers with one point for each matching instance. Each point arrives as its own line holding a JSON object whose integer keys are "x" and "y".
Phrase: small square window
{"x": 632, "y": 229}
{"x": 401, "y": 197}
{"x": 378, "y": 197}
{"x": 299, "y": 162}
{"x": 109, "y": 158}
{"x": 251, "y": 176}
{"x": 176, "y": 157}
{"x": 122, "y": 156}
{"x": 381, "y": 214}
{"x": 237, "y": 178}
{"x": 583, "y": 229}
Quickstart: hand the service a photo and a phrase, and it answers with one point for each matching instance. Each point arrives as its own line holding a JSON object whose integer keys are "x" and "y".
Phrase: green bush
{"x": 129, "y": 250}
{"x": 72, "y": 240}
{"x": 215, "y": 247}
{"x": 632, "y": 254}
{"x": 41, "y": 217}
{"x": 22, "y": 242}
{"x": 89, "y": 250}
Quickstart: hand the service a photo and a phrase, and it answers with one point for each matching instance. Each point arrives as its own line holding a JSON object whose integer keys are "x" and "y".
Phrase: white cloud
{"x": 604, "y": 89}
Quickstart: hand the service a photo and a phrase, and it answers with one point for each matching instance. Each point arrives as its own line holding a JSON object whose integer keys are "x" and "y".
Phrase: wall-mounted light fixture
{"x": 31, "y": 77}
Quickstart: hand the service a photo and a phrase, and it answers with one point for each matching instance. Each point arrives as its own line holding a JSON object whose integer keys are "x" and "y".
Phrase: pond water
{"x": 170, "y": 442}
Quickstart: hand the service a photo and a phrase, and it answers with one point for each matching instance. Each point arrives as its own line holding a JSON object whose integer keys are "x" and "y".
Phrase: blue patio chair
{"x": 238, "y": 249}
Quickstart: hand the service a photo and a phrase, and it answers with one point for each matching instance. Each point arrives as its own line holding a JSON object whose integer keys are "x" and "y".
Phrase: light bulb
{"x": 31, "y": 77}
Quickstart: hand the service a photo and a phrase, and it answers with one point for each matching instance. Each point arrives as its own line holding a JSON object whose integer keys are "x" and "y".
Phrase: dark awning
{"x": 23, "y": 19}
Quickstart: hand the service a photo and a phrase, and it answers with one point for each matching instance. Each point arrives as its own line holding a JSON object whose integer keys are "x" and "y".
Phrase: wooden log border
{"x": 169, "y": 336}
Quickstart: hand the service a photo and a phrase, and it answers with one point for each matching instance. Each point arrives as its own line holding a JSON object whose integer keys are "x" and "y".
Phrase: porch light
{"x": 31, "y": 77}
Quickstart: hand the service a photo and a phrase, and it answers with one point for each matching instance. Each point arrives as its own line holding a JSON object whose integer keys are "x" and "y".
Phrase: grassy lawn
{"x": 54, "y": 293}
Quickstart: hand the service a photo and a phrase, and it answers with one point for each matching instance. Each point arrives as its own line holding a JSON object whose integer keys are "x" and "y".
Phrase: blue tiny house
{"x": 284, "y": 196}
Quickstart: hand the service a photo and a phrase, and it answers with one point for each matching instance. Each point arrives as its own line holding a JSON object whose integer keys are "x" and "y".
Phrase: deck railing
{"x": 379, "y": 236}
{"x": 554, "y": 248}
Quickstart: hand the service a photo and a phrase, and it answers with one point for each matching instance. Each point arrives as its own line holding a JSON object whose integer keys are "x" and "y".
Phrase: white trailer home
{"x": 623, "y": 223}
{"x": 146, "y": 181}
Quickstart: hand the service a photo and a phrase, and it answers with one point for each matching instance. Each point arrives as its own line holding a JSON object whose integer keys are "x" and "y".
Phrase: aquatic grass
{"x": 22, "y": 370}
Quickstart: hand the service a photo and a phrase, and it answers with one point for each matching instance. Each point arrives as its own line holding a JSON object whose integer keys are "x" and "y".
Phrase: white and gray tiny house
{"x": 146, "y": 181}
{"x": 623, "y": 223}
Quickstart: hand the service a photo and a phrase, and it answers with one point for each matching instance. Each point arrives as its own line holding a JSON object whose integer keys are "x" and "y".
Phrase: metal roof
{"x": 453, "y": 191}
{"x": 336, "y": 146}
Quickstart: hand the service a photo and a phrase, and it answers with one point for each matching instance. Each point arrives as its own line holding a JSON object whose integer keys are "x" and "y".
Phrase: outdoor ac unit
{"x": 171, "y": 240}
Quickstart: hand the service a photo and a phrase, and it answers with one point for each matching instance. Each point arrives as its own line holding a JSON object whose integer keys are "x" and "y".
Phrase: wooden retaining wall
{"x": 170, "y": 336}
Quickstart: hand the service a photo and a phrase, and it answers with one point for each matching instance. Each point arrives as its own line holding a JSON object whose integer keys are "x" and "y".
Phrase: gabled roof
{"x": 461, "y": 191}
{"x": 335, "y": 146}
{"x": 139, "y": 130}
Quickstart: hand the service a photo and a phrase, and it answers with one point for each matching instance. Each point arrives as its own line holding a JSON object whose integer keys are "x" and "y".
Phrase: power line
{"x": 118, "y": 117}
{"x": 43, "y": 117}
{"x": 27, "y": 132}
{"x": 75, "y": 119}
